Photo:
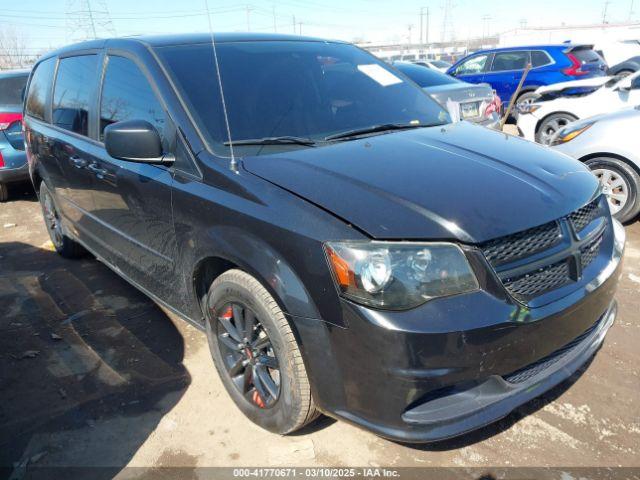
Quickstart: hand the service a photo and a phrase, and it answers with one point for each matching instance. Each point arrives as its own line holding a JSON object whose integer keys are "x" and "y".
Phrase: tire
{"x": 624, "y": 179}
{"x": 551, "y": 124}
{"x": 233, "y": 298}
{"x": 526, "y": 98}
{"x": 624, "y": 73}
{"x": 64, "y": 245}
{"x": 4, "y": 192}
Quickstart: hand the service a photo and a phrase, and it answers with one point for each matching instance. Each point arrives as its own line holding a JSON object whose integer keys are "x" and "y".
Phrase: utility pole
{"x": 93, "y": 24}
{"x": 248, "y": 21}
{"x": 421, "y": 24}
{"x": 604, "y": 12}
{"x": 409, "y": 28}
{"x": 427, "y": 33}
{"x": 630, "y": 11}
{"x": 273, "y": 10}
{"x": 300, "y": 28}
{"x": 294, "y": 24}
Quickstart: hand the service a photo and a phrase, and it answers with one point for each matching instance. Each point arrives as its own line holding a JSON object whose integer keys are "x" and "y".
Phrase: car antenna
{"x": 232, "y": 165}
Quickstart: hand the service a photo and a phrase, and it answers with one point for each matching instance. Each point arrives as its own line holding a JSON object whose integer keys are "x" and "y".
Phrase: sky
{"x": 47, "y": 24}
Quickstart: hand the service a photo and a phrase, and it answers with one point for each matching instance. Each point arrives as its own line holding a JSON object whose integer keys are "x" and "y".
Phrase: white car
{"x": 440, "y": 65}
{"x": 559, "y": 104}
{"x": 608, "y": 145}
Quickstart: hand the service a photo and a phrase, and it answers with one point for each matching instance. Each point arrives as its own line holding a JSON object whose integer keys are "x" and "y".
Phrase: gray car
{"x": 609, "y": 146}
{"x": 477, "y": 103}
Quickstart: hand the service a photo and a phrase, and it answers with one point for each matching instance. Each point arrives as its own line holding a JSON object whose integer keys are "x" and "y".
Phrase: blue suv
{"x": 502, "y": 68}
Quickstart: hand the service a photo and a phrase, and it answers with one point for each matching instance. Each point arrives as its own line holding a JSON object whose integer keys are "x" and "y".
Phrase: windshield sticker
{"x": 379, "y": 74}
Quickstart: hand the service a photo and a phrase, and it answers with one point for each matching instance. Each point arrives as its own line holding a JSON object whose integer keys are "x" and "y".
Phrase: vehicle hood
{"x": 594, "y": 82}
{"x": 459, "y": 181}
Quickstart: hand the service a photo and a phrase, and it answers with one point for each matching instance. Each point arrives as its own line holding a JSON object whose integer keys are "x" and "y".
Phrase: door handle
{"x": 99, "y": 172}
{"x": 78, "y": 162}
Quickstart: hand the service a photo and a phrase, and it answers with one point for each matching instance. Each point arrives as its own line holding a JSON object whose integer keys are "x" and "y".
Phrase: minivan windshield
{"x": 294, "y": 94}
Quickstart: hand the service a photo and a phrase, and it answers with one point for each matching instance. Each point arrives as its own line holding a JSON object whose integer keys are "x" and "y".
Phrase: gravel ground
{"x": 93, "y": 373}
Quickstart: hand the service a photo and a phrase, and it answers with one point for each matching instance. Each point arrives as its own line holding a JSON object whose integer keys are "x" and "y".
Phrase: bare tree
{"x": 13, "y": 50}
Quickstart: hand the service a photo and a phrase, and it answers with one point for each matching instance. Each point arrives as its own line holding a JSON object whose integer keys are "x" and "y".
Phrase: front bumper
{"x": 527, "y": 123}
{"x": 10, "y": 175}
{"x": 454, "y": 364}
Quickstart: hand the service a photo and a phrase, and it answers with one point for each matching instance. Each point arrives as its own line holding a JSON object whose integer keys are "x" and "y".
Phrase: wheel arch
{"x": 259, "y": 259}
{"x": 617, "y": 156}
{"x": 541, "y": 121}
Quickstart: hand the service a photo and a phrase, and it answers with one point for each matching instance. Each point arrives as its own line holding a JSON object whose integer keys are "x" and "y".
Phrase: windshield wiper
{"x": 285, "y": 140}
{"x": 384, "y": 127}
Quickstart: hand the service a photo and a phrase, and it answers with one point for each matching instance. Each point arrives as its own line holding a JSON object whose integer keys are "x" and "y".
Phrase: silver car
{"x": 477, "y": 103}
{"x": 609, "y": 145}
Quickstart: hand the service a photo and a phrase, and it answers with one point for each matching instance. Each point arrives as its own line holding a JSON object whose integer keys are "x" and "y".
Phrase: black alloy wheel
{"x": 248, "y": 355}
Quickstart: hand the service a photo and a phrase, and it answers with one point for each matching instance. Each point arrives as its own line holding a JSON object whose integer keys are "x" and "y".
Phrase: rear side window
{"x": 73, "y": 91}
{"x": 586, "y": 55}
{"x": 11, "y": 89}
{"x": 39, "y": 88}
{"x": 127, "y": 95}
{"x": 539, "y": 58}
{"x": 425, "y": 76}
{"x": 510, "y": 61}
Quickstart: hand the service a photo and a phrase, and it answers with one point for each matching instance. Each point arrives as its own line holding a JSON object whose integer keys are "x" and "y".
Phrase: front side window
{"x": 302, "y": 89}
{"x": 127, "y": 95}
{"x": 39, "y": 87}
{"x": 73, "y": 91}
{"x": 473, "y": 65}
{"x": 509, "y": 61}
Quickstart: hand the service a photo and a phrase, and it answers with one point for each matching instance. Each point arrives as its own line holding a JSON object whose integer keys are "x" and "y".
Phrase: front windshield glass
{"x": 301, "y": 89}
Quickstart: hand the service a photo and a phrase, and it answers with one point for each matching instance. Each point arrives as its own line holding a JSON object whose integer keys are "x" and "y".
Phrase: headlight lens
{"x": 399, "y": 275}
{"x": 528, "y": 107}
{"x": 569, "y": 133}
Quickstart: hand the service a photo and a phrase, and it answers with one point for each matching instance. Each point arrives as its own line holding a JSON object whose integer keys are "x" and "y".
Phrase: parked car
{"x": 463, "y": 101}
{"x": 617, "y": 52}
{"x": 345, "y": 247}
{"x": 502, "y": 68}
{"x": 558, "y": 105}
{"x": 607, "y": 144}
{"x": 625, "y": 68}
{"x": 13, "y": 161}
{"x": 439, "y": 65}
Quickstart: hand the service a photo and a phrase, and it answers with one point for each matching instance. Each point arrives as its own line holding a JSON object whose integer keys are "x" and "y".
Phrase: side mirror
{"x": 135, "y": 141}
{"x": 635, "y": 84}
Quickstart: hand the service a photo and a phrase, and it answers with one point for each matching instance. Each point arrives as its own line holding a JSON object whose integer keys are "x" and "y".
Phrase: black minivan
{"x": 345, "y": 247}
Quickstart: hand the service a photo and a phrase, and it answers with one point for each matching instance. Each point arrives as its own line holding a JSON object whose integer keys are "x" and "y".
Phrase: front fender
{"x": 257, "y": 257}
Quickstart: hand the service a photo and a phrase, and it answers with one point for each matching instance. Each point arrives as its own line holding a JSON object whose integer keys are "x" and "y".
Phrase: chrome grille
{"x": 521, "y": 244}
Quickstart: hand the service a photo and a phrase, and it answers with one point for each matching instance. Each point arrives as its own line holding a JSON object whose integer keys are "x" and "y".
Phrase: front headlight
{"x": 399, "y": 275}
{"x": 569, "y": 133}
{"x": 525, "y": 108}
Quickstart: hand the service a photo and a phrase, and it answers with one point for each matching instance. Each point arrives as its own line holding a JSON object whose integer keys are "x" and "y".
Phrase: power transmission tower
{"x": 631, "y": 12}
{"x": 447, "y": 21}
{"x": 88, "y": 19}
